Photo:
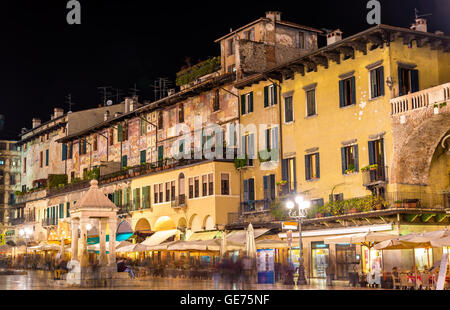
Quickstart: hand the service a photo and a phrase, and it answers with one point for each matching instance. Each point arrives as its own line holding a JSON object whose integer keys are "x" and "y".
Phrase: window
{"x": 204, "y": 185}
{"x": 46, "y": 157}
{"x": 311, "y": 102}
{"x": 3, "y": 146}
{"x": 230, "y": 47}
{"x": 68, "y": 209}
{"x": 248, "y": 148}
{"x": 288, "y": 110}
{"x": 347, "y": 92}
{"x": 211, "y": 184}
{"x": 300, "y": 40}
{"x": 225, "y": 183}
{"x": 41, "y": 159}
{"x": 197, "y": 187}
{"x": 122, "y": 132}
{"x": 70, "y": 150}
{"x": 181, "y": 114}
{"x": 12, "y": 179}
{"x": 377, "y": 82}
{"x": 161, "y": 193}
{"x": 72, "y": 176}
{"x": 216, "y": 105}
{"x": 64, "y": 152}
{"x": 143, "y": 157}
{"x": 270, "y": 95}
{"x": 160, "y": 120}
{"x": 249, "y": 194}
{"x": 167, "y": 191}
{"x": 317, "y": 202}
{"x": 289, "y": 174}
{"x": 12, "y": 147}
{"x": 82, "y": 147}
{"x": 349, "y": 156}
{"x": 249, "y": 34}
{"x": 408, "y": 80}
{"x": 124, "y": 161}
{"x": 269, "y": 187}
{"x": 247, "y": 103}
{"x": 143, "y": 127}
{"x": 312, "y": 166}
{"x": 146, "y": 197}
{"x": 136, "y": 199}
{"x": 25, "y": 165}
{"x": 160, "y": 153}
{"x": 95, "y": 143}
{"x": 376, "y": 152}
{"x": 156, "y": 193}
{"x": 231, "y": 68}
{"x": 111, "y": 136}
{"x": 61, "y": 210}
{"x": 172, "y": 191}
{"x": 191, "y": 188}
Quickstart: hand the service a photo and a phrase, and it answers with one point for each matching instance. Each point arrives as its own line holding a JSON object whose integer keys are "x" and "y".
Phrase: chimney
{"x": 334, "y": 36}
{"x": 273, "y": 15}
{"x": 36, "y": 122}
{"x": 57, "y": 112}
{"x": 420, "y": 25}
{"x": 106, "y": 116}
{"x": 128, "y": 105}
{"x": 171, "y": 92}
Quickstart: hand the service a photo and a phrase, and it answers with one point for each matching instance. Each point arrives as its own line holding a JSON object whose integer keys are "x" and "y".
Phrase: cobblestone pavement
{"x": 43, "y": 280}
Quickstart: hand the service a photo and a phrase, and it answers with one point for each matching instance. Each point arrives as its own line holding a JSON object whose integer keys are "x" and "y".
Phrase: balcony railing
{"x": 17, "y": 221}
{"x": 51, "y": 221}
{"x": 255, "y": 205}
{"x": 179, "y": 202}
{"x": 38, "y": 194}
{"x": 425, "y": 98}
{"x": 375, "y": 175}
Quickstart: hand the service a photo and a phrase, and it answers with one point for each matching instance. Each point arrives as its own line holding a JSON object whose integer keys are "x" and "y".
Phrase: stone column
{"x": 112, "y": 240}
{"x": 75, "y": 223}
{"x": 83, "y": 255}
{"x": 102, "y": 233}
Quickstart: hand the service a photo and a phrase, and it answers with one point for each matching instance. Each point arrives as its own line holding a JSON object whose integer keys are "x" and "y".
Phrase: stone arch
{"x": 182, "y": 223}
{"x": 124, "y": 227}
{"x": 208, "y": 223}
{"x": 164, "y": 223}
{"x": 195, "y": 223}
{"x": 142, "y": 225}
{"x": 415, "y": 144}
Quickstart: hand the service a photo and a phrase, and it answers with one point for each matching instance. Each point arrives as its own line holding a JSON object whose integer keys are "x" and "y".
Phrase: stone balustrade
{"x": 428, "y": 97}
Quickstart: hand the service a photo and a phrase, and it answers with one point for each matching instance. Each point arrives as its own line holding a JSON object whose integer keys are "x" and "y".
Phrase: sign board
{"x": 289, "y": 225}
{"x": 289, "y": 238}
{"x": 2, "y": 239}
{"x": 442, "y": 271}
{"x": 266, "y": 266}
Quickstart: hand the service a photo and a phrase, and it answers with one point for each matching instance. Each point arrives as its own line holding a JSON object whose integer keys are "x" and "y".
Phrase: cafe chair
{"x": 396, "y": 283}
{"x": 404, "y": 281}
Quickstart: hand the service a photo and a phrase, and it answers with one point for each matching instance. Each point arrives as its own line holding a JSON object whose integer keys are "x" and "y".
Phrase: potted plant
{"x": 411, "y": 203}
{"x": 350, "y": 170}
{"x": 398, "y": 203}
{"x": 373, "y": 167}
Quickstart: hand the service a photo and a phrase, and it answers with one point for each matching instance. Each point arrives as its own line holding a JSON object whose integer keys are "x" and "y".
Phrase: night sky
{"x": 120, "y": 43}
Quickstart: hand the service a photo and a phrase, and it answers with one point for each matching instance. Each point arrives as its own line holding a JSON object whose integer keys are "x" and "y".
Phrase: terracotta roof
{"x": 94, "y": 199}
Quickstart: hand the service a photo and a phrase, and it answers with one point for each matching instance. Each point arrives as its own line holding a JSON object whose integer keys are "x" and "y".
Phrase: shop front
{"x": 345, "y": 260}
{"x": 320, "y": 258}
{"x": 372, "y": 259}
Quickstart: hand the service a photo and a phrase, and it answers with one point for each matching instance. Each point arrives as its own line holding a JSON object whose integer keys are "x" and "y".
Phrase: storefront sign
{"x": 289, "y": 225}
{"x": 289, "y": 238}
{"x": 9, "y": 235}
{"x": 2, "y": 239}
{"x": 265, "y": 266}
{"x": 442, "y": 272}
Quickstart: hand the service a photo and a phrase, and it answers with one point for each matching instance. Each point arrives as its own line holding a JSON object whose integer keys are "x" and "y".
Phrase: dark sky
{"x": 119, "y": 43}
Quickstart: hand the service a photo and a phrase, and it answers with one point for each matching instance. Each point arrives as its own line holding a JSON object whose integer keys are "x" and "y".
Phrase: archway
{"x": 142, "y": 225}
{"x": 208, "y": 223}
{"x": 164, "y": 223}
{"x": 195, "y": 223}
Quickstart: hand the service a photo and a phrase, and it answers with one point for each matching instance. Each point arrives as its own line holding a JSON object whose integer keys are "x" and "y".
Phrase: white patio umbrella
{"x": 250, "y": 245}
{"x": 133, "y": 248}
{"x": 223, "y": 244}
{"x": 442, "y": 242}
{"x": 412, "y": 241}
{"x": 188, "y": 246}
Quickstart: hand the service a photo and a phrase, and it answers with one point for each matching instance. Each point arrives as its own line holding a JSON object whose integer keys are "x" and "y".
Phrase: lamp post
{"x": 25, "y": 233}
{"x": 299, "y": 213}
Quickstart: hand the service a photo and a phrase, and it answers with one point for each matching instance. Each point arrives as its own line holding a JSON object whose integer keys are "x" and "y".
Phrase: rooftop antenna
{"x": 134, "y": 91}
{"x": 416, "y": 12}
{"x": 118, "y": 95}
{"x": 161, "y": 87}
{"x": 69, "y": 102}
{"x": 106, "y": 93}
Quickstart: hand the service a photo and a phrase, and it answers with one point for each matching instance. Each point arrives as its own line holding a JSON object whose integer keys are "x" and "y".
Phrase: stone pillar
{"x": 74, "y": 225}
{"x": 112, "y": 240}
{"x": 83, "y": 255}
{"x": 102, "y": 233}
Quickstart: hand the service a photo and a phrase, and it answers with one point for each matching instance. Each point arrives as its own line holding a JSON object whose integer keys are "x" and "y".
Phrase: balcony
{"x": 179, "y": 202}
{"x": 375, "y": 175}
{"x": 425, "y": 98}
{"x": 48, "y": 222}
{"x": 33, "y": 195}
{"x": 255, "y": 206}
{"x": 17, "y": 221}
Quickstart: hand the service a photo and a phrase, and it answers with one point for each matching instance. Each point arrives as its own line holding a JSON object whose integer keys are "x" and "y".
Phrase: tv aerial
{"x": 416, "y": 12}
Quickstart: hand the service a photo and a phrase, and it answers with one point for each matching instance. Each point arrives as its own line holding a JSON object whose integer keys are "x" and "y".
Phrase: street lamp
{"x": 299, "y": 214}
{"x": 25, "y": 233}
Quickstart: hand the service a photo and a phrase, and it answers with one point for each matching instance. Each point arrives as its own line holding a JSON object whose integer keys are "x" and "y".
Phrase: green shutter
{"x": 353, "y": 90}
{"x": 341, "y": 94}
{"x": 64, "y": 152}
{"x": 250, "y": 105}
{"x": 344, "y": 160}
{"x": 160, "y": 153}
{"x": 371, "y": 152}
{"x": 275, "y": 94}
{"x": 143, "y": 156}
{"x": 46, "y": 157}
{"x": 400, "y": 82}
{"x": 242, "y": 104}
{"x": 414, "y": 81}
{"x": 266, "y": 96}
{"x": 307, "y": 167}
{"x": 124, "y": 161}
{"x": 68, "y": 209}
{"x": 119, "y": 133}
{"x": 356, "y": 159}
{"x": 135, "y": 199}
{"x": 318, "y": 165}
{"x": 116, "y": 198}
{"x": 381, "y": 81}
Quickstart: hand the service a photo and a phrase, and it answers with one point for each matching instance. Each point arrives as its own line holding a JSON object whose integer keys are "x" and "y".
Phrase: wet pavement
{"x": 43, "y": 280}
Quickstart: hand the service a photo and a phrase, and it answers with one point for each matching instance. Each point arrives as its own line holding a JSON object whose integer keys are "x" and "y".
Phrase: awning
{"x": 271, "y": 244}
{"x": 207, "y": 235}
{"x": 240, "y": 236}
{"x": 160, "y": 236}
{"x": 119, "y": 237}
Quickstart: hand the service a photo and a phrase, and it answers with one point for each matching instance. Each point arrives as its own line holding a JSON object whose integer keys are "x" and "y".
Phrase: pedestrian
{"x": 354, "y": 274}
{"x": 330, "y": 274}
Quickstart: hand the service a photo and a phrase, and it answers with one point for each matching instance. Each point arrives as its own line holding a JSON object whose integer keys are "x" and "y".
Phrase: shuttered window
{"x": 64, "y": 152}
{"x": 46, "y": 157}
{"x": 270, "y": 95}
{"x": 143, "y": 157}
{"x": 377, "y": 82}
{"x": 146, "y": 197}
{"x": 312, "y": 166}
{"x": 347, "y": 92}
{"x": 288, "y": 110}
{"x": 349, "y": 158}
{"x": 311, "y": 102}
